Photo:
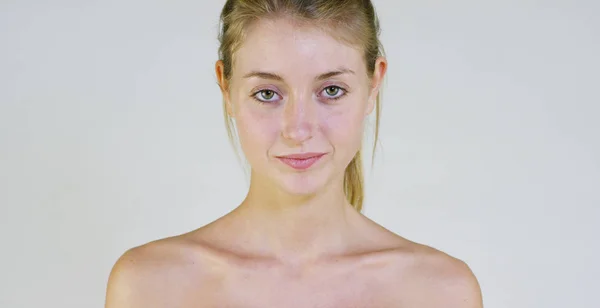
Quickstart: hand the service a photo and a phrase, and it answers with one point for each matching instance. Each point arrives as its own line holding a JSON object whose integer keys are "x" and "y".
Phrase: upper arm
{"x": 441, "y": 281}
{"x": 125, "y": 288}
{"x": 462, "y": 289}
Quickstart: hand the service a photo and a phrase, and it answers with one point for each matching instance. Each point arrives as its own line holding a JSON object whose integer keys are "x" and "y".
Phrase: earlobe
{"x": 370, "y": 107}
{"x": 228, "y": 107}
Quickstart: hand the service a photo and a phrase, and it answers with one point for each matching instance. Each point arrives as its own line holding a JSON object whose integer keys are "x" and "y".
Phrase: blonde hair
{"x": 352, "y": 21}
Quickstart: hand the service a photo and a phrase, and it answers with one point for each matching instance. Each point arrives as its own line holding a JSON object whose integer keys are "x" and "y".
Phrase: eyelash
{"x": 255, "y": 94}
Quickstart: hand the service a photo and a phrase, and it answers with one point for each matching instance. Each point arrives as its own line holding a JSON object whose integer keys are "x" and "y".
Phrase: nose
{"x": 298, "y": 120}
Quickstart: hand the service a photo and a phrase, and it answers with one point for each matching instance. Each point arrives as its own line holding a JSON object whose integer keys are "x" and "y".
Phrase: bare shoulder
{"x": 436, "y": 279}
{"x": 421, "y": 276}
{"x": 143, "y": 276}
{"x": 446, "y": 281}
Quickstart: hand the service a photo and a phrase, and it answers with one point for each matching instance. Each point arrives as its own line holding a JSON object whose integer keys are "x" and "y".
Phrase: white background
{"x": 111, "y": 136}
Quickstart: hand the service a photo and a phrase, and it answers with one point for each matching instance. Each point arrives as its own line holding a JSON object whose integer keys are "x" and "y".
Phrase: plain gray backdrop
{"x": 111, "y": 135}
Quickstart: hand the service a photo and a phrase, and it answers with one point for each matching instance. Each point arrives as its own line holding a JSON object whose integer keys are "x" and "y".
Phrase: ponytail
{"x": 353, "y": 182}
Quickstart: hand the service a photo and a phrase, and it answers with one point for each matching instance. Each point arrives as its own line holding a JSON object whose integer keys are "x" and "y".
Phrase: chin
{"x": 300, "y": 184}
{"x": 301, "y": 188}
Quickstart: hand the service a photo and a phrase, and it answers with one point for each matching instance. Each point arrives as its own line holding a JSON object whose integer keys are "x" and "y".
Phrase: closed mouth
{"x": 302, "y": 155}
{"x": 301, "y": 161}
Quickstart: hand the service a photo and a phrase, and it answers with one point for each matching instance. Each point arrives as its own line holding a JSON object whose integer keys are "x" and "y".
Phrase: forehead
{"x": 284, "y": 47}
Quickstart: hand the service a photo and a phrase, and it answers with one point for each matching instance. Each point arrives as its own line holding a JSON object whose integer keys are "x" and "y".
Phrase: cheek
{"x": 256, "y": 131}
{"x": 344, "y": 129}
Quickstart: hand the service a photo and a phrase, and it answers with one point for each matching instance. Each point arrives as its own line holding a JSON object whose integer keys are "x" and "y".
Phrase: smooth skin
{"x": 294, "y": 241}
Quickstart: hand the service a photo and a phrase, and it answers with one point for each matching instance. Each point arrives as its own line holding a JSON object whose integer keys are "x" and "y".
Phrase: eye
{"x": 333, "y": 92}
{"x": 266, "y": 96}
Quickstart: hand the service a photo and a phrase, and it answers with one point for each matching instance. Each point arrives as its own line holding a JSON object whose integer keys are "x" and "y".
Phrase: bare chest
{"x": 295, "y": 294}
{"x": 327, "y": 290}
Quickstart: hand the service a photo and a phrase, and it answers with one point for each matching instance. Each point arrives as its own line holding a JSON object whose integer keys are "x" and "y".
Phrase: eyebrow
{"x": 272, "y": 76}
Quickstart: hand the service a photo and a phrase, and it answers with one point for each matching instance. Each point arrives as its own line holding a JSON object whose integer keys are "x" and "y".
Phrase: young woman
{"x": 299, "y": 79}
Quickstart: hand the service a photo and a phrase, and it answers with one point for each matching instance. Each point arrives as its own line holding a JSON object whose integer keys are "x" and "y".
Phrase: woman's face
{"x": 297, "y": 91}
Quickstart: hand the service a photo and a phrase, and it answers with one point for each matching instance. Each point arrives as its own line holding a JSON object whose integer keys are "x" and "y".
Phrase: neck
{"x": 292, "y": 228}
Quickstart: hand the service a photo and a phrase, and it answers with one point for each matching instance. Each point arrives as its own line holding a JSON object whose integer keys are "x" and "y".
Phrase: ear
{"x": 376, "y": 82}
{"x": 224, "y": 86}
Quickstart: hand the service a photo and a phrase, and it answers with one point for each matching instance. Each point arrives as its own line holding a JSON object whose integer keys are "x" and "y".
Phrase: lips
{"x": 301, "y": 161}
